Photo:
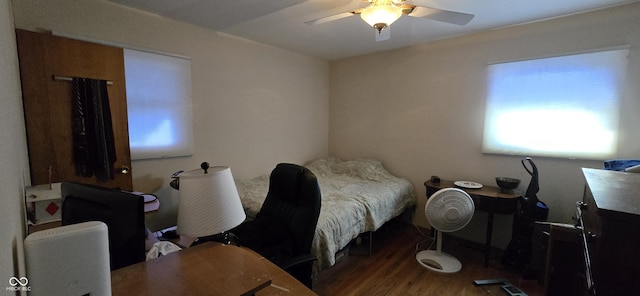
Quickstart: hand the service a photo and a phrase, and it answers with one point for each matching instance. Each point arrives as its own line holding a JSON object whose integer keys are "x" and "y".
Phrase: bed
{"x": 357, "y": 196}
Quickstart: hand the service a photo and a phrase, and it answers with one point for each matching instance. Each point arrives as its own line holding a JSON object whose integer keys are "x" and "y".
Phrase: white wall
{"x": 13, "y": 147}
{"x": 421, "y": 114}
{"x": 254, "y": 105}
{"x": 420, "y": 109}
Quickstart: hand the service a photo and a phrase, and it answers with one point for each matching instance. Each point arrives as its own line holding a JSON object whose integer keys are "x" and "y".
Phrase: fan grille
{"x": 449, "y": 209}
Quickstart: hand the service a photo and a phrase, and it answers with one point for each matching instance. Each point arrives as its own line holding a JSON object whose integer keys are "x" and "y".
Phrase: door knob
{"x": 583, "y": 205}
{"x": 592, "y": 236}
{"x": 124, "y": 170}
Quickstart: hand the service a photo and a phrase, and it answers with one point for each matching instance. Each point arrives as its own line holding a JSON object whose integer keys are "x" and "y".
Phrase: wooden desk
{"x": 611, "y": 219}
{"x": 488, "y": 199}
{"x": 207, "y": 269}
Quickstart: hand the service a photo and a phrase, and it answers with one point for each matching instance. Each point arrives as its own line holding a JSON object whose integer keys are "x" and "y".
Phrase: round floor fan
{"x": 447, "y": 210}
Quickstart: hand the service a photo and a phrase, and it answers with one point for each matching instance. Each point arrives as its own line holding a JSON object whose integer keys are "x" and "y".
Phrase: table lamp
{"x": 209, "y": 204}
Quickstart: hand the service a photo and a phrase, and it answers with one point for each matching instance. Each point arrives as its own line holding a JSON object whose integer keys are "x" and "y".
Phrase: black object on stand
{"x": 530, "y": 209}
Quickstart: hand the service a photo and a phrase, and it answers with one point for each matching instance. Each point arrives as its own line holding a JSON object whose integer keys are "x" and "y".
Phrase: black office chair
{"x": 284, "y": 228}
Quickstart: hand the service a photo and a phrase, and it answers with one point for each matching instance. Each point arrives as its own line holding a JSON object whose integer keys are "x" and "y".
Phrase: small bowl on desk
{"x": 507, "y": 184}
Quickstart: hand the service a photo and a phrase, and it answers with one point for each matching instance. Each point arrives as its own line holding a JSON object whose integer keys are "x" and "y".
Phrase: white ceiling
{"x": 281, "y": 23}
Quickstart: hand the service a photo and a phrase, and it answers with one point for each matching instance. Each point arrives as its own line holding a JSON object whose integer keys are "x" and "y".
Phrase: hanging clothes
{"x": 94, "y": 150}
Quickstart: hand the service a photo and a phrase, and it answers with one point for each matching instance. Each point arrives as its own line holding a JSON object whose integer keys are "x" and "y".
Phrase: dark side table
{"x": 488, "y": 199}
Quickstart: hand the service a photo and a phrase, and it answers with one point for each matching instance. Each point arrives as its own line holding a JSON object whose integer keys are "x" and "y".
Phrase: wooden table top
{"x": 485, "y": 191}
{"x": 614, "y": 192}
{"x": 207, "y": 269}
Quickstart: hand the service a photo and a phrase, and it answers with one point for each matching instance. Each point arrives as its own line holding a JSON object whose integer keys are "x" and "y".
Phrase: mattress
{"x": 357, "y": 196}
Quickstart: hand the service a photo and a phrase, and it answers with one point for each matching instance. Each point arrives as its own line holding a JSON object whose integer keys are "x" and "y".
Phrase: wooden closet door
{"x": 47, "y": 104}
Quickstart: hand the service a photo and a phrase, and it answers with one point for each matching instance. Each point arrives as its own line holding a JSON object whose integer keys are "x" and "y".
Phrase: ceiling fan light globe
{"x": 381, "y": 14}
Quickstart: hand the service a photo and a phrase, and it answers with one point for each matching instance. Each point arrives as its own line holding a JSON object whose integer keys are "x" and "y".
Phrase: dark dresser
{"x": 610, "y": 212}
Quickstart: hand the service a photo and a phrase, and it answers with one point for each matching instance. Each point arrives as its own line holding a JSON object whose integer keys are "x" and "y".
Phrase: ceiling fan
{"x": 380, "y": 14}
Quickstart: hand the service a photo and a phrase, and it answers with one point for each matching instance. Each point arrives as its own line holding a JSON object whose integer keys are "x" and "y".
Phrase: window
{"x": 159, "y": 105}
{"x": 564, "y": 106}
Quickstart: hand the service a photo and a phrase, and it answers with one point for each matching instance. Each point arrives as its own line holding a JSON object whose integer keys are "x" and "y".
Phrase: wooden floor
{"x": 393, "y": 269}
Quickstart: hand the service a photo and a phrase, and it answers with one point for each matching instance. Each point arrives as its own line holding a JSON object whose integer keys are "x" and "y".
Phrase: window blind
{"x": 159, "y": 105}
{"x": 566, "y": 106}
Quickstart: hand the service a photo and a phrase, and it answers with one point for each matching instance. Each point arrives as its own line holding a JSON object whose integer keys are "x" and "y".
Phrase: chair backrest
{"x": 294, "y": 199}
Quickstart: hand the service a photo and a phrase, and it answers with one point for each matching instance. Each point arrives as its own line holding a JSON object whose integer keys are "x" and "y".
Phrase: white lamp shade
{"x": 209, "y": 203}
{"x": 381, "y": 12}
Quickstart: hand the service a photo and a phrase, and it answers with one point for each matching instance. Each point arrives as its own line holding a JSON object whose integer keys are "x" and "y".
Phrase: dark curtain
{"x": 94, "y": 150}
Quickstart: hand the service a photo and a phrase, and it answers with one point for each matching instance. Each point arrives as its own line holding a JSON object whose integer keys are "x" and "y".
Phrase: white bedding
{"x": 357, "y": 196}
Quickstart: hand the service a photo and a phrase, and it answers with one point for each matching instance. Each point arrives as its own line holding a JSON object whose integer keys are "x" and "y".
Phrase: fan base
{"x": 442, "y": 262}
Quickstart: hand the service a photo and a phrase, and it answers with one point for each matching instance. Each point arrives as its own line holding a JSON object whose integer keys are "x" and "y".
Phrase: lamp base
{"x": 226, "y": 238}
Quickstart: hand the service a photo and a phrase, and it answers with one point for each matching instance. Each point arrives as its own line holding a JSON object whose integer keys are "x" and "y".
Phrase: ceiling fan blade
{"x": 447, "y": 16}
{"x": 384, "y": 34}
{"x": 330, "y": 18}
